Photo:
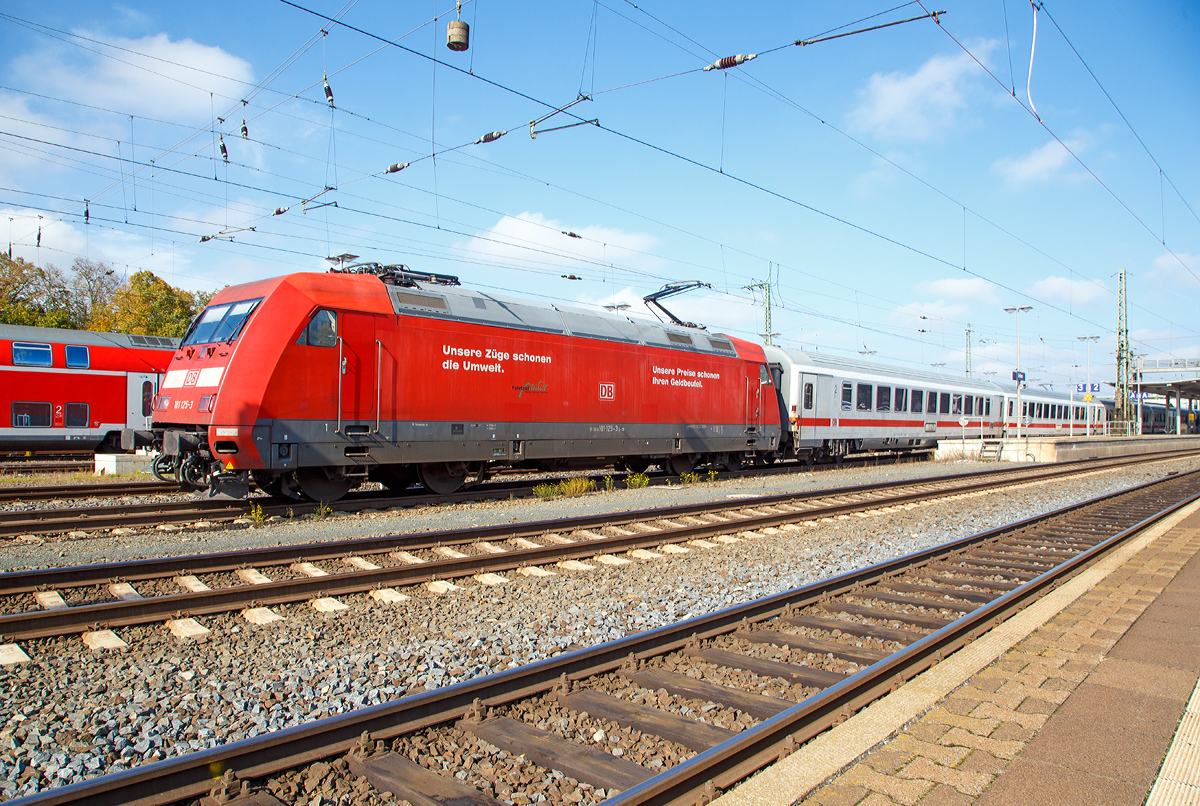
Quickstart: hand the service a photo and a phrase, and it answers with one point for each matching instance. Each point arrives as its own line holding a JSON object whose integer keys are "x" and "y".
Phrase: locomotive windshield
{"x": 220, "y": 322}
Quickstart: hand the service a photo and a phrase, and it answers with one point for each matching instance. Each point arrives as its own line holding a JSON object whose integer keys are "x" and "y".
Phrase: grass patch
{"x": 637, "y": 481}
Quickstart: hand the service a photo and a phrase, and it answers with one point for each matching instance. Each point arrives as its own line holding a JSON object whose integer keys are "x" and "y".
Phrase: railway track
{"x": 56, "y": 601}
{"x": 701, "y": 704}
{"x": 64, "y": 520}
{"x": 39, "y": 466}
{"x": 120, "y": 489}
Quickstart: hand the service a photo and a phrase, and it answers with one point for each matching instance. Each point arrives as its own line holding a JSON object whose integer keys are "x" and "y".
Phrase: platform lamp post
{"x": 1016, "y": 375}
{"x": 1087, "y": 398}
{"x": 617, "y": 307}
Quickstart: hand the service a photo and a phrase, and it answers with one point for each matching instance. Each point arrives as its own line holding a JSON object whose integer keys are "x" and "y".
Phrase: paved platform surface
{"x": 1080, "y": 710}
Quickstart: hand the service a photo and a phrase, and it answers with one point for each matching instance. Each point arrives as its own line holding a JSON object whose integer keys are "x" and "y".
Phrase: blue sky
{"x": 891, "y": 189}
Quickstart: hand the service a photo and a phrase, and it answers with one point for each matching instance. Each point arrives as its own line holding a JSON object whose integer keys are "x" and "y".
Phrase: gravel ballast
{"x": 72, "y": 714}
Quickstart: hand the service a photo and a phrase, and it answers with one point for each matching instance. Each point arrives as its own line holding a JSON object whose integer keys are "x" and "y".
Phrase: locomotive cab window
{"x": 321, "y": 330}
{"x": 808, "y": 396}
{"x": 764, "y": 377}
{"x": 220, "y": 322}
{"x": 847, "y": 396}
{"x": 883, "y": 398}
{"x": 864, "y": 397}
{"x": 77, "y": 357}
{"x": 77, "y": 415}
{"x": 918, "y": 401}
{"x": 25, "y": 354}
{"x": 30, "y": 415}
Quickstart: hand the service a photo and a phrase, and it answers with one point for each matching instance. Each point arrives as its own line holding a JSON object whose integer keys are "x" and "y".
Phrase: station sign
{"x": 1018, "y": 375}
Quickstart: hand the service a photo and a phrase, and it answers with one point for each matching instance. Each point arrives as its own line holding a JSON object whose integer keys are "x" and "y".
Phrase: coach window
{"x": 1039, "y": 412}
{"x": 918, "y": 401}
{"x": 970, "y": 407}
{"x": 931, "y": 403}
{"x": 30, "y": 415}
{"x": 147, "y": 399}
{"x": 25, "y": 354}
{"x": 944, "y": 408}
{"x": 864, "y": 397}
{"x": 1010, "y": 408}
{"x": 77, "y": 415}
{"x": 987, "y": 405}
{"x": 847, "y": 396}
{"x": 901, "y": 400}
{"x": 808, "y": 394}
{"x": 321, "y": 330}
{"x": 77, "y": 357}
{"x": 883, "y": 398}
{"x": 956, "y": 404}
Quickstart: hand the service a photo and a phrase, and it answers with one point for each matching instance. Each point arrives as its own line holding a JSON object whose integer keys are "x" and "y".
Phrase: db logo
{"x": 608, "y": 391}
{"x": 192, "y": 376}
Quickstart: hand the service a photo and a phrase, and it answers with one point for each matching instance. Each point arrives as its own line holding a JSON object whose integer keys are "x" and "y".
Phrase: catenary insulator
{"x": 245, "y": 131}
{"x": 328, "y": 92}
{"x": 458, "y": 35}
{"x": 731, "y": 61}
{"x": 397, "y": 168}
{"x": 490, "y": 136}
{"x": 224, "y": 150}
{"x": 280, "y": 210}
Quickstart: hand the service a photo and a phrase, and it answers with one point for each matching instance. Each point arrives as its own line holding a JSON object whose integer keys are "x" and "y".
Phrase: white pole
{"x": 1020, "y": 411}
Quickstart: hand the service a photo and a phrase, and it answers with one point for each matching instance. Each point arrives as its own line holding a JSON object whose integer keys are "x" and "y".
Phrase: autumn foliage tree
{"x": 93, "y": 297}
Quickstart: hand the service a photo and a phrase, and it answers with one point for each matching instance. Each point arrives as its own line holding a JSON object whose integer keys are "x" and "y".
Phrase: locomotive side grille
{"x": 679, "y": 338}
{"x": 411, "y": 300}
{"x": 721, "y": 344}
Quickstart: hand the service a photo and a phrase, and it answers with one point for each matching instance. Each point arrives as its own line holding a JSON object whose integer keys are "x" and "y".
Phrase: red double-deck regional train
{"x": 76, "y": 389}
{"x": 313, "y": 383}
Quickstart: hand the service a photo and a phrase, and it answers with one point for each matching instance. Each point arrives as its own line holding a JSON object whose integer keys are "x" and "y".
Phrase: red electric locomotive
{"x": 77, "y": 389}
{"x": 314, "y": 383}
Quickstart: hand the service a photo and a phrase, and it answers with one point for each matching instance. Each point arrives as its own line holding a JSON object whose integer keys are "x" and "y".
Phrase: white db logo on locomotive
{"x": 192, "y": 376}
{"x": 608, "y": 391}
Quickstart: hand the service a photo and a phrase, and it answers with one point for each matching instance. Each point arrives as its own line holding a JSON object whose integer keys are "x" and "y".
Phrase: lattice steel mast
{"x": 1124, "y": 359}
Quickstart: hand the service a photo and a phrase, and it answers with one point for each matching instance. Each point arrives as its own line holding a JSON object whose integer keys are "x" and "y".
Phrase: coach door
{"x": 357, "y": 350}
{"x": 139, "y": 399}
{"x": 806, "y": 417}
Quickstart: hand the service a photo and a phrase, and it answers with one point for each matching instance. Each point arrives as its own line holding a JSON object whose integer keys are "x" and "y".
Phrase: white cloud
{"x": 1168, "y": 271}
{"x": 532, "y": 240}
{"x": 971, "y": 289}
{"x": 920, "y": 105}
{"x": 1040, "y": 165}
{"x": 175, "y": 84}
{"x": 1063, "y": 289}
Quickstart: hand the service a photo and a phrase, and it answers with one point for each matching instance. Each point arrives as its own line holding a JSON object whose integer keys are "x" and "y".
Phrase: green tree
{"x": 93, "y": 287}
{"x": 149, "y": 306}
{"x": 34, "y": 296}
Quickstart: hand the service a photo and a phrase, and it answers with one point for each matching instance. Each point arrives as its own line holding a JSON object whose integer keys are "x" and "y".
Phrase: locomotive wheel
{"x": 681, "y": 463}
{"x": 443, "y": 478}
{"x": 271, "y": 485}
{"x": 637, "y": 464}
{"x": 320, "y": 484}
{"x": 395, "y": 477}
{"x": 731, "y": 462}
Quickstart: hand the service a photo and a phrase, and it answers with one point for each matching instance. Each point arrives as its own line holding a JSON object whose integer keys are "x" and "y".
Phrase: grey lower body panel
{"x": 286, "y": 445}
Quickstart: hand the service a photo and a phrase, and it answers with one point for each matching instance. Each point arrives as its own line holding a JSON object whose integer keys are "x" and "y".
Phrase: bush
{"x": 545, "y": 491}
{"x": 637, "y": 481}
{"x": 573, "y": 488}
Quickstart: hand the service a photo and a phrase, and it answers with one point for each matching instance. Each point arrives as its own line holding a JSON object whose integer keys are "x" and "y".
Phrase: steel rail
{"x": 195, "y": 773}
{"x": 14, "y": 582}
{"x": 109, "y": 490}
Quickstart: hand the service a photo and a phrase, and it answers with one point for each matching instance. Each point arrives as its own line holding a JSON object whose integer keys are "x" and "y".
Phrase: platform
{"x": 123, "y": 464}
{"x": 1074, "y": 700}
{"x": 1064, "y": 448}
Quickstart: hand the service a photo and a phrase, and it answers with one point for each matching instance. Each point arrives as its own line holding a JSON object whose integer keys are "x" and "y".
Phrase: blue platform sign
{"x": 1081, "y": 387}
{"x": 1018, "y": 376}
{"x": 1095, "y": 387}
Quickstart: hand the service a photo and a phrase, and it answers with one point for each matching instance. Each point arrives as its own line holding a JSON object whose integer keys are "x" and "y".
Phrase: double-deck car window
{"x": 321, "y": 330}
{"x": 25, "y": 354}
